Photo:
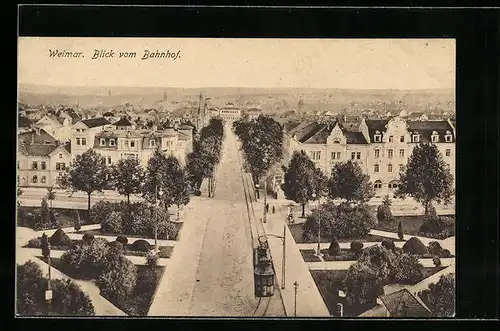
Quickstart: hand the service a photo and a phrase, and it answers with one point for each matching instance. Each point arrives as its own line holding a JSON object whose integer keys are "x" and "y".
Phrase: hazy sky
{"x": 306, "y": 63}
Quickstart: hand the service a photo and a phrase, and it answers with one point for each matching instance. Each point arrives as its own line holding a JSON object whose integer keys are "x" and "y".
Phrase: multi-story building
{"x": 123, "y": 141}
{"x": 84, "y": 132}
{"x": 381, "y": 147}
{"x": 42, "y": 160}
{"x": 230, "y": 113}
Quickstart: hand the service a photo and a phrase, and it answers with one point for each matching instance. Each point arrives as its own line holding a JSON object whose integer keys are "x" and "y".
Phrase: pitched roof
{"x": 403, "y": 304}
{"x": 355, "y": 137}
{"x": 23, "y": 122}
{"x": 426, "y": 128}
{"x": 375, "y": 125}
{"x": 37, "y": 149}
{"x": 123, "y": 122}
{"x": 33, "y": 137}
{"x": 94, "y": 122}
{"x": 109, "y": 114}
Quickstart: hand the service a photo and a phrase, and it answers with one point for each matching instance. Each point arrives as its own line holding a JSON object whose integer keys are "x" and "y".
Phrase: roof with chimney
{"x": 39, "y": 136}
{"x": 404, "y": 304}
{"x": 95, "y": 122}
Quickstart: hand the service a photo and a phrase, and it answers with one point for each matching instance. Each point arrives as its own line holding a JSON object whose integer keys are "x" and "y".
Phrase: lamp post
{"x": 257, "y": 190}
{"x": 48, "y": 292}
{"x": 296, "y": 287}
{"x": 290, "y": 212}
{"x": 265, "y": 204}
{"x": 158, "y": 193}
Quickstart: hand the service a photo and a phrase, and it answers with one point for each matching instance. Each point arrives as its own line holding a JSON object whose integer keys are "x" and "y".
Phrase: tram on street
{"x": 263, "y": 270}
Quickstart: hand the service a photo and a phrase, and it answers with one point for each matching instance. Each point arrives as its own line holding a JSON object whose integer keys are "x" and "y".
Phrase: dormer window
{"x": 152, "y": 143}
{"x": 434, "y": 137}
{"x": 448, "y": 137}
{"x": 103, "y": 142}
{"x": 111, "y": 142}
{"x": 415, "y": 138}
{"x": 377, "y": 137}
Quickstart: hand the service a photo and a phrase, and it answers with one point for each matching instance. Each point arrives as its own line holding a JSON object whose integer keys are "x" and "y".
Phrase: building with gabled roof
{"x": 380, "y": 146}
{"x": 83, "y": 133}
{"x": 41, "y": 159}
{"x": 401, "y": 303}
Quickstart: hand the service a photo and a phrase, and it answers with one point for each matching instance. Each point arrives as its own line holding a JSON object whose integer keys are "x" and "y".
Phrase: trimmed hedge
{"x": 59, "y": 238}
{"x": 141, "y": 246}
{"x": 415, "y": 246}
{"x": 356, "y": 246}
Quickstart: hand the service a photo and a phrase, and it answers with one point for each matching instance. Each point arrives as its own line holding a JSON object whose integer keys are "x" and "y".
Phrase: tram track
{"x": 256, "y": 228}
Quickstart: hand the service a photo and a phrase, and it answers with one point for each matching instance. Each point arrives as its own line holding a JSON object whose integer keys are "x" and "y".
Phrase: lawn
{"x": 99, "y": 232}
{"x": 296, "y": 230}
{"x": 345, "y": 255}
{"x": 309, "y": 255}
{"x": 136, "y": 304}
{"x": 26, "y": 216}
{"x": 411, "y": 224}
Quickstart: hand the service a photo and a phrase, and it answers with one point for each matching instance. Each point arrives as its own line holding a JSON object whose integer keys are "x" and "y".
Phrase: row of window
{"x": 81, "y": 141}
{"x": 378, "y": 185}
{"x": 43, "y": 165}
{"x": 81, "y": 130}
{"x": 376, "y": 168}
{"x": 414, "y": 138}
{"x": 316, "y": 155}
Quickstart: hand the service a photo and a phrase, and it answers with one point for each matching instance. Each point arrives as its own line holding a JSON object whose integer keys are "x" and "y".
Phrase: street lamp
{"x": 296, "y": 287}
{"x": 265, "y": 204}
{"x": 318, "y": 249}
{"x": 290, "y": 212}
{"x": 257, "y": 190}
{"x": 158, "y": 193}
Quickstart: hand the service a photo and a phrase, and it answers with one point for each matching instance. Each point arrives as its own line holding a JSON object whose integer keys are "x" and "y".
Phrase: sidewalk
{"x": 175, "y": 289}
{"x": 102, "y": 307}
{"x": 309, "y": 301}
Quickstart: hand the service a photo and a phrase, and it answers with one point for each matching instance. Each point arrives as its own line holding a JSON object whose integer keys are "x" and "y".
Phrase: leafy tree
{"x": 437, "y": 261}
{"x": 342, "y": 221}
{"x": 51, "y": 195}
{"x": 87, "y": 258}
{"x": 388, "y": 244}
{"x": 349, "y": 182}
{"x": 356, "y": 246}
{"x": 301, "y": 180}
{"x": 407, "y": 269}
{"x": 118, "y": 277}
{"x": 100, "y": 211}
{"x": 362, "y": 285}
{"x": 113, "y": 223}
{"x": 384, "y": 213}
{"x": 88, "y": 174}
{"x": 127, "y": 176}
{"x": 68, "y": 298}
{"x": 262, "y": 143}
{"x": 46, "y": 218}
{"x": 440, "y": 297}
{"x": 381, "y": 260}
{"x": 427, "y": 177}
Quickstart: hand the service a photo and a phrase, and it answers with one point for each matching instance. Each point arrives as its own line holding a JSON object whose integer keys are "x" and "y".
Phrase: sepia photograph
{"x": 235, "y": 177}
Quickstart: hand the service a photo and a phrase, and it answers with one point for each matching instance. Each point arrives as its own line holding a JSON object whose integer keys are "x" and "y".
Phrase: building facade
{"x": 41, "y": 160}
{"x": 381, "y": 147}
{"x": 230, "y": 113}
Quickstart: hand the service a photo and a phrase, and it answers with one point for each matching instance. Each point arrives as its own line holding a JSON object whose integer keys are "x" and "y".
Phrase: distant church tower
{"x": 109, "y": 92}
{"x": 164, "y": 96}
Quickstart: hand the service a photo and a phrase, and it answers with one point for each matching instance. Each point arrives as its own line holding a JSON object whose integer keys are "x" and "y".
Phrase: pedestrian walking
{"x": 274, "y": 209}
{"x": 267, "y": 207}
